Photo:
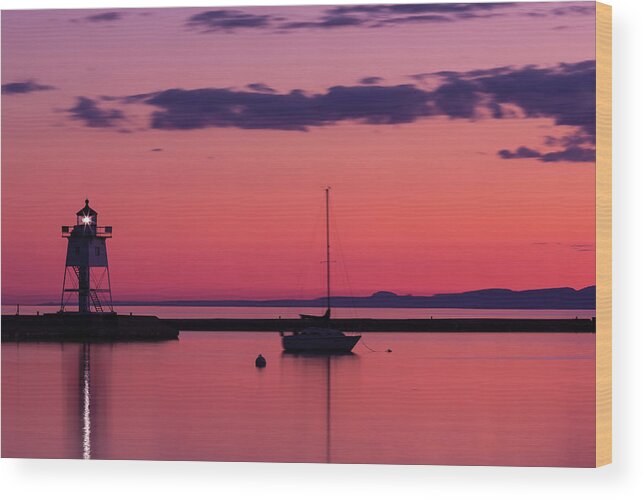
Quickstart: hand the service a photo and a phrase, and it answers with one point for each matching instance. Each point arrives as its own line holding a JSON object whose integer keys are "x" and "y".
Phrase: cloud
{"x": 227, "y": 21}
{"x": 371, "y": 80}
{"x": 441, "y": 8}
{"x": 87, "y": 111}
{"x": 426, "y": 18}
{"x": 386, "y": 15}
{"x": 576, "y": 139}
{"x": 181, "y": 109}
{"x": 372, "y": 16}
{"x": 457, "y": 98}
{"x": 104, "y": 17}
{"x": 583, "y": 9}
{"x": 564, "y": 93}
{"x": 573, "y": 154}
{"x": 326, "y": 22}
{"x": 583, "y": 247}
{"x": 559, "y": 9}
{"x": 521, "y": 152}
{"x": 24, "y": 87}
{"x": 261, "y": 87}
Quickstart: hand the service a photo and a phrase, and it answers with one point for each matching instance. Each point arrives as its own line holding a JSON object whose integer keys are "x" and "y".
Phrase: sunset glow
{"x": 207, "y": 145}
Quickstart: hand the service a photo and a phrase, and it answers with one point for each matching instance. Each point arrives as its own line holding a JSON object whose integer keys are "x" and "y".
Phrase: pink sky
{"x": 218, "y": 212}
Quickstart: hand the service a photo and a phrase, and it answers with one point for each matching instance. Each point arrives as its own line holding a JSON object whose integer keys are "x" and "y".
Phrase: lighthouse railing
{"x": 94, "y": 231}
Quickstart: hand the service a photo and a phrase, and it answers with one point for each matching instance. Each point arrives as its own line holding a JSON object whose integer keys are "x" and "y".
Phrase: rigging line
{"x": 327, "y": 250}
{"x": 371, "y": 349}
{"x": 311, "y": 240}
{"x": 342, "y": 258}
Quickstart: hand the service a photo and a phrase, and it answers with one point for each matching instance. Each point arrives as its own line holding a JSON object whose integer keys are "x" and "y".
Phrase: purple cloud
{"x": 93, "y": 116}
{"x": 227, "y": 20}
{"x": 564, "y": 93}
{"x": 261, "y": 87}
{"x": 24, "y": 87}
{"x": 104, "y": 17}
{"x": 572, "y": 154}
{"x": 371, "y": 80}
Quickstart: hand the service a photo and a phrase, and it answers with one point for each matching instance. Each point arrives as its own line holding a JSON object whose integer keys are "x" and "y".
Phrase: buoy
{"x": 260, "y": 361}
{"x": 389, "y": 350}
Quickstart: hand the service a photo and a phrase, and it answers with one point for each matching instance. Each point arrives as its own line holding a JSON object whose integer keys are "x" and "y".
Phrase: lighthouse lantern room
{"x": 86, "y": 279}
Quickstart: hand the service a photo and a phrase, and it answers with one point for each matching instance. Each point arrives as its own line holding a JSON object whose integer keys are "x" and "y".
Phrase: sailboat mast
{"x": 327, "y": 252}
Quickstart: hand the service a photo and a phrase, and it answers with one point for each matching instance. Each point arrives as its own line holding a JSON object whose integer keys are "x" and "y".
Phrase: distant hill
{"x": 553, "y": 298}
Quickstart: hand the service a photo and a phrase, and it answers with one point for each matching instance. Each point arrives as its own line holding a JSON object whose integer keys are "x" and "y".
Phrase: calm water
{"x": 488, "y": 399}
{"x": 344, "y": 313}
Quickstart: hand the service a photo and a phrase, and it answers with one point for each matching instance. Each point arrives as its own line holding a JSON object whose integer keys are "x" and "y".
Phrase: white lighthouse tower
{"x": 86, "y": 278}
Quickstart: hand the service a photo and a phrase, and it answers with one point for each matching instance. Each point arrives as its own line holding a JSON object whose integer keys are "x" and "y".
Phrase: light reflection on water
{"x": 87, "y": 426}
{"x": 524, "y": 399}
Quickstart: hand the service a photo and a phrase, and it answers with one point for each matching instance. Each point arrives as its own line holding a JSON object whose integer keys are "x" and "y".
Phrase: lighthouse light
{"x": 87, "y": 220}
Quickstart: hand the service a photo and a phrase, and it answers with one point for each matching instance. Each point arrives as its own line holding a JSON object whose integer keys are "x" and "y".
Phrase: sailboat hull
{"x": 321, "y": 344}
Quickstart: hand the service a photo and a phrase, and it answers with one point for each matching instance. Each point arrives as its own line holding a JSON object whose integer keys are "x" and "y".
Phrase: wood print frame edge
{"x": 603, "y": 234}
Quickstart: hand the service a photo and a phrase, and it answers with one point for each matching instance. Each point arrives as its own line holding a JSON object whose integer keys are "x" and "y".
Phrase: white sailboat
{"x": 320, "y": 337}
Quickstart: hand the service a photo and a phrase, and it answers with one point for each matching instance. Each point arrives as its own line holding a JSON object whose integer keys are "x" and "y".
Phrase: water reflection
{"x": 86, "y": 399}
{"x": 314, "y": 372}
{"x": 325, "y": 361}
{"x": 489, "y": 399}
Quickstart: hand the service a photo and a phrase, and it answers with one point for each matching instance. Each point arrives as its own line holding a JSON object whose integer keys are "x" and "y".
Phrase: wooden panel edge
{"x": 603, "y": 234}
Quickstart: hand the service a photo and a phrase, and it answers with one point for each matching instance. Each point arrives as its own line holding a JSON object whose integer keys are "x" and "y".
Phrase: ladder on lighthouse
{"x": 93, "y": 295}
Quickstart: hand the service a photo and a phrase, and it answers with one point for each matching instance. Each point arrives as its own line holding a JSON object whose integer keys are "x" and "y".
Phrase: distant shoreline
{"x": 489, "y": 299}
{"x": 227, "y": 305}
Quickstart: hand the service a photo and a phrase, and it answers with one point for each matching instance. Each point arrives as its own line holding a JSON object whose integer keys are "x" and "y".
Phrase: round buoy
{"x": 260, "y": 361}
{"x": 389, "y": 350}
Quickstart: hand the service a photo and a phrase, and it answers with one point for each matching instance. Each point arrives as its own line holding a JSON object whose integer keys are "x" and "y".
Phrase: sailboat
{"x": 318, "y": 336}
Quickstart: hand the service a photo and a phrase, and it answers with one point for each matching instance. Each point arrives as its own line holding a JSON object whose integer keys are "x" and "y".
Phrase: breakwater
{"x": 112, "y": 327}
{"x": 86, "y": 327}
{"x": 394, "y": 325}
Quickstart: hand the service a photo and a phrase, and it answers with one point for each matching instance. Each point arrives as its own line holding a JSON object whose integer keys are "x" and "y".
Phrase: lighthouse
{"x": 86, "y": 279}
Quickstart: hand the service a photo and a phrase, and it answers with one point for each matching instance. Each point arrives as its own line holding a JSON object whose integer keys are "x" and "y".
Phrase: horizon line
{"x": 391, "y": 294}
